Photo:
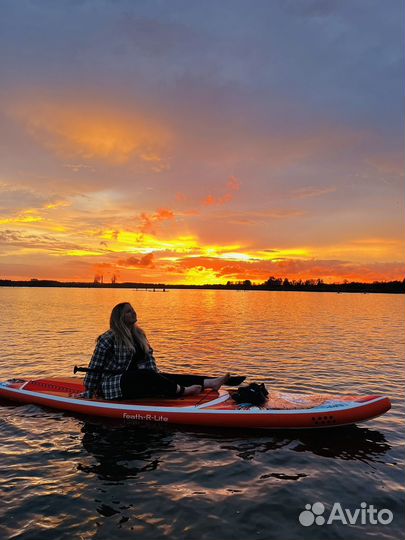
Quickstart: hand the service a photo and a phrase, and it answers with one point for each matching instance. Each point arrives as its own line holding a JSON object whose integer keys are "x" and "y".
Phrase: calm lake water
{"x": 67, "y": 477}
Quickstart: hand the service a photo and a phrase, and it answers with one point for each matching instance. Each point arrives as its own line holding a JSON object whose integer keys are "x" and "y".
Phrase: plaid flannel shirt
{"x": 109, "y": 355}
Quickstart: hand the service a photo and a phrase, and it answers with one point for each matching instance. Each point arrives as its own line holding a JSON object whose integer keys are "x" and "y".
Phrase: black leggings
{"x": 148, "y": 383}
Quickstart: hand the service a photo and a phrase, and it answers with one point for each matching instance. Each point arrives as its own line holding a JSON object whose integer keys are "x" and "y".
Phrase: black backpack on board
{"x": 252, "y": 394}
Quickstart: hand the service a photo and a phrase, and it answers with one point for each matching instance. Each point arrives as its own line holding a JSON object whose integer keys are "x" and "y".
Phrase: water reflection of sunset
{"x": 93, "y": 477}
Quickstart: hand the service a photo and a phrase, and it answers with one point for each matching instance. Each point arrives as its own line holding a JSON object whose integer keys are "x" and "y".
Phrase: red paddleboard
{"x": 213, "y": 409}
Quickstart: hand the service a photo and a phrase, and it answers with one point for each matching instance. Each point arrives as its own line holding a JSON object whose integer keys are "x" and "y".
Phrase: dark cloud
{"x": 36, "y": 241}
{"x": 18, "y": 198}
{"x": 326, "y": 58}
{"x": 155, "y": 37}
{"x": 146, "y": 260}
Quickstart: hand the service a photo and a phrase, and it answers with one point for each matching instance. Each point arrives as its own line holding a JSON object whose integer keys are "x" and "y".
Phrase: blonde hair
{"x": 131, "y": 338}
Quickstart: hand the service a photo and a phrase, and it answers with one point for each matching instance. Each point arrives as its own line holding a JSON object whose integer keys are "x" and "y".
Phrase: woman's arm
{"x": 101, "y": 354}
{"x": 151, "y": 360}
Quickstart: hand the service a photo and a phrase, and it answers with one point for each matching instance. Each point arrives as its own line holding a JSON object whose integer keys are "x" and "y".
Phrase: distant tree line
{"x": 271, "y": 284}
{"x": 318, "y": 285}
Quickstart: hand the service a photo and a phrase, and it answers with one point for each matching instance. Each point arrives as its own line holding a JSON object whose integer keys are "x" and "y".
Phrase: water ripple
{"x": 65, "y": 477}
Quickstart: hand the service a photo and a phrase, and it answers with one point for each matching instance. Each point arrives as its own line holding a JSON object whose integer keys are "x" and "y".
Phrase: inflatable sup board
{"x": 213, "y": 409}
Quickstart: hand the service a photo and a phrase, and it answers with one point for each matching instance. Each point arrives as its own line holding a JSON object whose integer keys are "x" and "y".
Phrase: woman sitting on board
{"x": 123, "y": 366}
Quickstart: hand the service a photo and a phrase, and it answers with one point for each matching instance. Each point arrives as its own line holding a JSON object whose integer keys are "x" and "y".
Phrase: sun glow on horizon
{"x": 185, "y": 259}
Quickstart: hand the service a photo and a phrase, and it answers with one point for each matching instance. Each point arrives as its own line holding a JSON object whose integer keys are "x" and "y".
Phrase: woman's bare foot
{"x": 215, "y": 384}
{"x": 192, "y": 390}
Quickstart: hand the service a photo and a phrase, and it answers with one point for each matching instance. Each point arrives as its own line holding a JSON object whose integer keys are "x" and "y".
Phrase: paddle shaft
{"x": 94, "y": 370}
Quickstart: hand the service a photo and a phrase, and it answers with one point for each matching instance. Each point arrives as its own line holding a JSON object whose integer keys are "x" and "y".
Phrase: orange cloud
{"x": 163, "y": 214}
{"x": 255, "y": 217}
{"x": 181, "y": 197}
{"x": 232, "y": 185}
{"x": 90, "y": 132}
{"x": 364, "y": 249}
{"x": 311, "y": 191}
{"x": 149, "y": 221}
{"x": 389, "y": 163}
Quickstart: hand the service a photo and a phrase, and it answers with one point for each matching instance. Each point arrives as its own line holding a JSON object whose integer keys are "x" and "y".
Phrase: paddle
{"x": 93, "y": 370}
{"x": 234, "y": 380}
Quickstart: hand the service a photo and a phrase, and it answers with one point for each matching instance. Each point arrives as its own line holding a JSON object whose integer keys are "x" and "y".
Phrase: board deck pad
{"x": 71, "y": 386}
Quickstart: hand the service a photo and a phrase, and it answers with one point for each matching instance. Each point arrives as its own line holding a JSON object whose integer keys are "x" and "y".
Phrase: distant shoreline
{"x": 388, "y": 287}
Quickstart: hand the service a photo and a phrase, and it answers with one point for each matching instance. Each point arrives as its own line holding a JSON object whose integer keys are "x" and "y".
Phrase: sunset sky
{"x": 201, "y": 142}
